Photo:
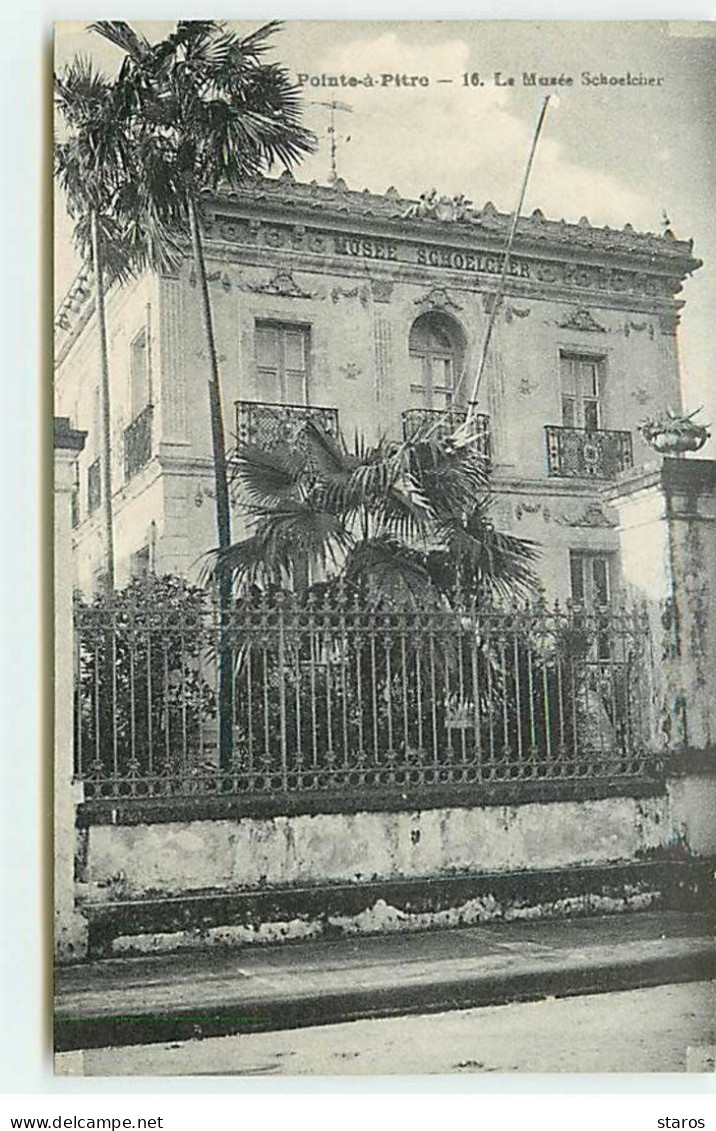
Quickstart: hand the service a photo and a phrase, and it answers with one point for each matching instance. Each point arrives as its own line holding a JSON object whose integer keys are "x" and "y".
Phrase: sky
{"x": 615, "y": 154}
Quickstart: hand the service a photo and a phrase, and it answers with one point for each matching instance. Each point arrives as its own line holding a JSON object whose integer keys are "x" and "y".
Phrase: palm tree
{"x": 208, "y": 112}
{"x": 410, "y": 518}
{"x": 90, "y": 163}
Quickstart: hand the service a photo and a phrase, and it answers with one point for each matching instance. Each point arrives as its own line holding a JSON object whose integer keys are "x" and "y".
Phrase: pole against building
{"x": 472, "y": 406}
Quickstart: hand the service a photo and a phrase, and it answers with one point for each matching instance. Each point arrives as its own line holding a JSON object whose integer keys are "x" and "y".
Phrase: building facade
{"x": 369, "y": 312}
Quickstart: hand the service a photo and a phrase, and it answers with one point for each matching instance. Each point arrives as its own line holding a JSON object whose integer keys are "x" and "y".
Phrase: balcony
{"x": 94, "y": 486}
{"x": 138, "y": 443}
{"x": 265, "y": 425}
{"x": 576, "y": 453}
{"x": 444, "y": 423}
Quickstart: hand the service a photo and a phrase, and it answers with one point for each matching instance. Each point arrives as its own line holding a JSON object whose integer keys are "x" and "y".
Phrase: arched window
{"x": 435, "y": 348}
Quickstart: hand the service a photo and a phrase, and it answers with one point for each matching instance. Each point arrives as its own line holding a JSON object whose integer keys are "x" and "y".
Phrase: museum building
{"x": 368, "y": 313}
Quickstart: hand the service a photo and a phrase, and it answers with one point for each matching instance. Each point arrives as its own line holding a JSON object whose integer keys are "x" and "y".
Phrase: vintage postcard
{"x": 385, "y": 547}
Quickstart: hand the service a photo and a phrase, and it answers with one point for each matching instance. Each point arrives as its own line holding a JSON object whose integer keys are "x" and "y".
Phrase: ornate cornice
{"x": 448, "y": 213}
{"x": 322, "y": 222}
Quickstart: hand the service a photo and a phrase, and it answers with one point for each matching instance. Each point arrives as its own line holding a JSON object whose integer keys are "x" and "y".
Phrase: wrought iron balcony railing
{"x": 94, "y": 486}
{"x": 581, "y": 454}
{"x": 441, "y": 423}
{"x": 265, "y": 424}
{"x": 138, "y": 443}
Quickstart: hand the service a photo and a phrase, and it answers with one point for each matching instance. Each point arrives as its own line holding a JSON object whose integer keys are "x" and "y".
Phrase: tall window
{"x": 139, "y": 373}
{"x": 591, "y": 578}
{"x": 434, "y": 361}
{"x": 582, "y": 379}
{"x": 282, "y": 362}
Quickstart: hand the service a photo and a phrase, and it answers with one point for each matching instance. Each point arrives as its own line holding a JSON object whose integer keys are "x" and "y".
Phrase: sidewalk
{"x": 210, "y": 993}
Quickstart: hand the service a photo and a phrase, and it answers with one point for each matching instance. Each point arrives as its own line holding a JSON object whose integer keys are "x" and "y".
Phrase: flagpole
{"x": 472, "y": 405}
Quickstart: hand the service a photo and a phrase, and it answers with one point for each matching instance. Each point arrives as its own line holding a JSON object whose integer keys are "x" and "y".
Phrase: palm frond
{"x": 123, "y": 35}
{"x": 389, "y": 567}
{"x": 268, "y": 476}
{"x": 283, "y": 538}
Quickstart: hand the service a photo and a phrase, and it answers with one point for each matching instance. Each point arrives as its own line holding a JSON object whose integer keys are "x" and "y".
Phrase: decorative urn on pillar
{"x": 674, "y": 434}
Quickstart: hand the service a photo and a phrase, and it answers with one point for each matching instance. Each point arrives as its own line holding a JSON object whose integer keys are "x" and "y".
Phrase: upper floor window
{"x": 139, "y": 373}
{"x": 435, "y": 352}
{"x": 582, "y": 378}
{"x": 282, "y": 351}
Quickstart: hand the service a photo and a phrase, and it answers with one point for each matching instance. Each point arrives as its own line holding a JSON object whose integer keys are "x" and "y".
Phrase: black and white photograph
{"x": 384, "y": 548}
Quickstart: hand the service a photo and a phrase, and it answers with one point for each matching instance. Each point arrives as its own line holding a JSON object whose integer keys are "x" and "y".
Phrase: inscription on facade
{"x": 382, "y": 249}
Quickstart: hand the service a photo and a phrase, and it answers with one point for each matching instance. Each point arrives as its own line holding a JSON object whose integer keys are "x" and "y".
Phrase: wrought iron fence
{"x": 138, "y": 443}
{"x": 348, "y": 695}
{"x": 580, "y": 453}
{"x": 416, "y": 419}
{"x": 265, "y": 424}
{"x": 94, "y": 486}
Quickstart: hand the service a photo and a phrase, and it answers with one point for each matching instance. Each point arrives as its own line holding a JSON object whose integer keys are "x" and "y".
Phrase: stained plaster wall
{"x": 174, "y": 858}
{"x": 359, "y": 313}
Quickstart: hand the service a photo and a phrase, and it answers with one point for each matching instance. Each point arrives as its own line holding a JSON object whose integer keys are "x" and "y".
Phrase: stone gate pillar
{"x": 70, "y": 926}
{"x": 667, "y": 534}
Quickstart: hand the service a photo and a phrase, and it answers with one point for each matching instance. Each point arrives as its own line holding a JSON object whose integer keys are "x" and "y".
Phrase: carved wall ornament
{"x": 203, "y": 491}
{"x": 593, "y": 515}
{"x": 351, "y": 371}
{"x": 282, "y": 283}
{"x": 527, "y": 387}
{"x": 222, "y": 277}
{"x": 580, "y": 318}
{"x": 353, "y": 292}
{"x": 488, "y": 301}
{"x": 430, "y": 206}
{"x": 630, "y": 326}
{"x": 512, "y": 312}
{"x": 523, "y": 508}
{"x": 669, "y": 322}
{"x": 382, "y": 290}
{"x": 438, "y": 298}
{"x": 641, "y": 395}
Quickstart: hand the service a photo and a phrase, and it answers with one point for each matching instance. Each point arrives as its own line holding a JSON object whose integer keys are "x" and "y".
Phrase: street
{"x": 669, "y": 1028}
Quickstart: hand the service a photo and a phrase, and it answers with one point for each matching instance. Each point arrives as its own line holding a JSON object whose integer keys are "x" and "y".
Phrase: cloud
{"x": 458, "y": 138}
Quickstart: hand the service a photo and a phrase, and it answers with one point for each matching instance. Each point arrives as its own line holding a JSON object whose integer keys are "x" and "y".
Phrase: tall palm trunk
{"x": 221, "y": 492}
{"x": 106, "y": 423}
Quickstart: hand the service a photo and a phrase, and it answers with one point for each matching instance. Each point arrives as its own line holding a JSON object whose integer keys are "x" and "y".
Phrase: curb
{"x": 256, "y": 1015}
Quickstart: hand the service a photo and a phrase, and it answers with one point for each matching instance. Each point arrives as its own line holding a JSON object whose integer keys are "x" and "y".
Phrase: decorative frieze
{"x": 583, "y": 320}
{"x": 524, "y": 507}
{"x": 430, "y": 206}
{"x": 641, "y": 395}
{"x": 511, "y": 312}
{"x": 437, "y": 298}
{"x": 527, "y": 387}
{"x": 592, "y": 515}
{"x": 361, "y": 293}
{"x": 350, "y": 371}
{"x": 632, "y": 327}
{"x": 364, "y": 247}
{"x": 382, "y": 289}
{"x": 282, "y": 283}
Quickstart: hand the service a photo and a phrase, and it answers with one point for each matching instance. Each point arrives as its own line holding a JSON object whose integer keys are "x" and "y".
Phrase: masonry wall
{"x": 252, "y": 852}
{"x": 266, "y": 264}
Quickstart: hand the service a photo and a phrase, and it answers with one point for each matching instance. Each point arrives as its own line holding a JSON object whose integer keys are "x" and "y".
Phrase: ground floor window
{"x": 591, "y": 576}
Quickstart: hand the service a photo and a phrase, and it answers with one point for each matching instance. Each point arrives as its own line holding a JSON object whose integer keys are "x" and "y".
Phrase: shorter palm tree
{"x": 410, "y": 519}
